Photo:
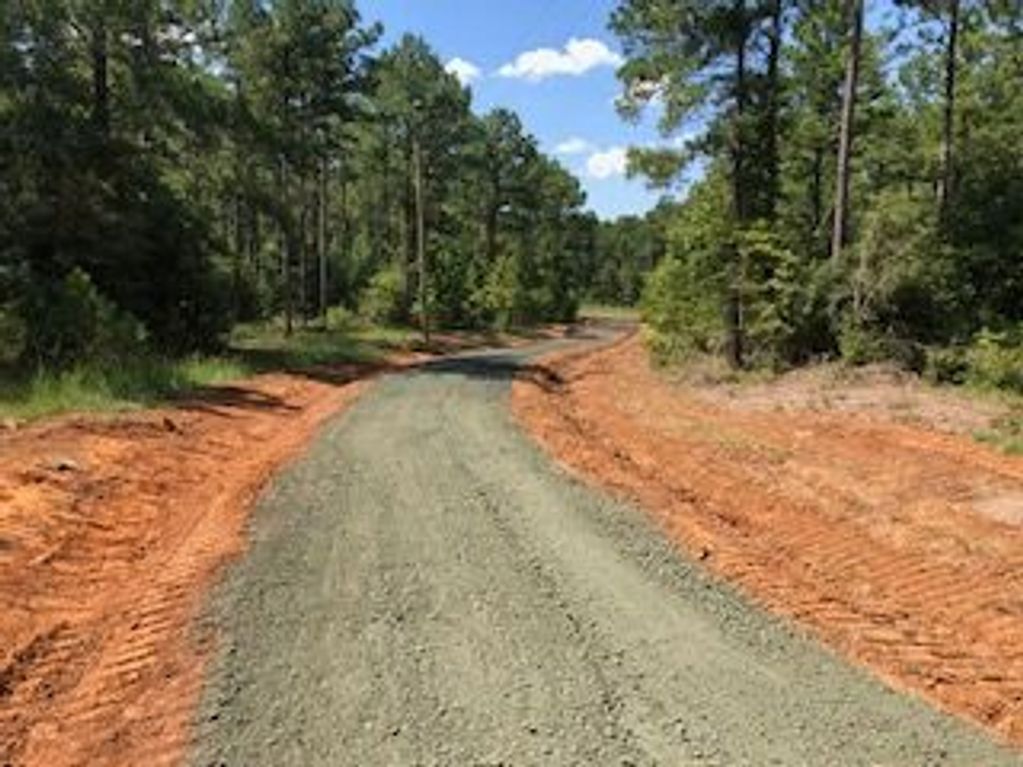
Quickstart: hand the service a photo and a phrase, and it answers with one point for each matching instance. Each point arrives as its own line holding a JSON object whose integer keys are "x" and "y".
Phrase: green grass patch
{"x": 266, "y": 347}
{"x": 130, "y": 385}
{"x": 606, "y": 312}
{"x": 147, "y": 381}
{"x": 1006, "y": 434}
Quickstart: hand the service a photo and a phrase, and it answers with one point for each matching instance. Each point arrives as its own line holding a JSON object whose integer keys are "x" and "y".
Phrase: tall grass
{"x": 146, "y": 380}
{"x": 129, "y": 385}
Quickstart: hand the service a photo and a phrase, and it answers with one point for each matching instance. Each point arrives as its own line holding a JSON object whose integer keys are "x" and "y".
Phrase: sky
{"x": 551, "y": 61}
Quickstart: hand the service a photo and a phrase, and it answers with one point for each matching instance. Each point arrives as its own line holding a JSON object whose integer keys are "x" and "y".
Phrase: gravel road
{"x": 425, "y": 588}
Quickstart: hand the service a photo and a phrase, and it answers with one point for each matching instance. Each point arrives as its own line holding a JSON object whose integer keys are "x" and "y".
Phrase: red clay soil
{"x": 900, "y": 546}
{"x": 111, "y": 531}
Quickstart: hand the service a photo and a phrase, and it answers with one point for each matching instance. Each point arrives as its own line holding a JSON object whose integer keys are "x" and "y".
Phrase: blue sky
{"x": 557, "y": 109}
{"x": 564, "y": 94}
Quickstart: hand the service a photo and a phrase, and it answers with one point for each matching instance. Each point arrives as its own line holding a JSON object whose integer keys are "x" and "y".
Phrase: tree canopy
{"x": 864, "y": 187}
{"x": 170, "y": 168}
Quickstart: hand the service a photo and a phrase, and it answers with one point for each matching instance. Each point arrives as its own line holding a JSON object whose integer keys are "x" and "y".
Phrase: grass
{"x": 605, "y": 312}
{"x": 1006, "y": 434}
{"x": 265, "y": 347}
{"x": 147, "y": 381}
{"x": 131, "y": 385}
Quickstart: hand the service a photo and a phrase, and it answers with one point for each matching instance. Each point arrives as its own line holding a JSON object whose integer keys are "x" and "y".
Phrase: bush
{"x": 340, "y": 319}
{"x": 501, "y": 298}
{"x": 901, "y": 276}
{"x": 70, "y": 321}
{"x": 682, "y": 319}
{"x": 862, "y": 345}
{"x": 996, "y": 359}
{"x": 383, "y": 300}
{"x": 12, "y": 336}
{"x": 949, "y": 365}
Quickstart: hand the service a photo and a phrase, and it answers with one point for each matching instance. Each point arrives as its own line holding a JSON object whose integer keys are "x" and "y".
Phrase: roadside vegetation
{"x": 861, "y": 188}
{"x": 178, "y": 180}
{"x": 145, "y": 379}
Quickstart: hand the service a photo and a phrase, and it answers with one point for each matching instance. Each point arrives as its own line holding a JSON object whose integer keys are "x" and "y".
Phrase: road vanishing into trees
{"x": 425, "y": 588}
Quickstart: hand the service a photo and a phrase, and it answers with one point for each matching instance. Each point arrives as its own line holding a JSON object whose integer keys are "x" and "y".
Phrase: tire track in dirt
{"x": 869, "y": 533}
{"x": 424, "y": 587}
{"x": 111, "y": 531}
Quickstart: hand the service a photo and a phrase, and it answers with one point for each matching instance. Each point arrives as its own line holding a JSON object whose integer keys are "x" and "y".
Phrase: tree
{"x": 696, "y": 57}
{"x": 848, "y": 132}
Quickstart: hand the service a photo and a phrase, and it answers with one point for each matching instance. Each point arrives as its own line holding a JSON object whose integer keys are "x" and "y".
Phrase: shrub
{"x": 901, "y": 276}
{"x": 340, "y": 319}
{"x": 502, "y": 297}
{"x": 861, "y": 344}
{"x": 70, "y": 321}
{"x": 12, "y": 336}
{"x": 682, "y": 318}
{"x": 948, "y": 365}
{"x": 996, "y": 359}
{"x": 383, "y": 300}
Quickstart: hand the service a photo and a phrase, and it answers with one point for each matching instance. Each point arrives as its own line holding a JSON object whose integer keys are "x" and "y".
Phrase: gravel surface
{"x": 424, "y": 588}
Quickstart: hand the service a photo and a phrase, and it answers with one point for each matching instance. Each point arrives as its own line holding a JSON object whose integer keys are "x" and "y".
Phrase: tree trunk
{"x": 424, "y": 284}
{"x": 321, "y": 238}
{"x": 491, "y": 222}
{"x": 285, "y": 244}
{"x": 734, "y": 351}
{"x": 817, "y": 192}
{"x": 948, "y": 128}
{"x": 773, "y": 103}
{"x": 839, "y": 230}
{"x": 100, "y": 76}
{"x": 303, "y": 254}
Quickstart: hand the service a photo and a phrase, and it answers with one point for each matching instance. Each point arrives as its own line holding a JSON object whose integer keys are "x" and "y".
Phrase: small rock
{"x": 65, "y": 465}
{"x": 170, "y": 426}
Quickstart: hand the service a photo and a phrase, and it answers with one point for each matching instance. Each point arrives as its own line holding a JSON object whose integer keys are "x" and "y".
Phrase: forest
{"x": 859, "y": 191}
{"x": 171, "y": 169}
{"x": 835, "y": 186}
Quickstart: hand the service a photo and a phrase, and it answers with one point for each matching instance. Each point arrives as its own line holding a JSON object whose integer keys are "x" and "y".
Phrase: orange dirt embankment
{"x": 898, "y": 545}
{"x": 111, "y": 531}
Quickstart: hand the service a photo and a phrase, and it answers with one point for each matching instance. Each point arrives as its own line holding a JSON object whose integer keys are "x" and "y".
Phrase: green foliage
{"x": 339, "y": 318}
{"x": 130, "y": 383}
{"x": 501, "y": 296}
{"x": 625, "y": 251}
{"x": 681, "y": 318}
{"x": 934, "y": 246}
{"x": 170, "y": 169}
{"x": 901, "y": 279}
{"x": 383, "y": 300}
{"x": 947, "y": 365}
{"x": 12, "y": 336}
{"x": 1006, "y": 433}
{"x": 70, "y": 321}
{"x": 777, "y": 306}
{"x": 995, "y": 359}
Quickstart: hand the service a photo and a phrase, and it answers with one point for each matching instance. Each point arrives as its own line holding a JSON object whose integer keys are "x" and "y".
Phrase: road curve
{"x": 424, "y": 588}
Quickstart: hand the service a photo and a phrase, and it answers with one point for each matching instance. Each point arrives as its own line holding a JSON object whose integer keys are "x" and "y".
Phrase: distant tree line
{"x": 863, "y": 192}
{"x": 171, "y": 167}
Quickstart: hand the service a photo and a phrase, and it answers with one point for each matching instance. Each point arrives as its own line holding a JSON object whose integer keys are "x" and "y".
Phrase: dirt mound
{"x": 110, "y": 532}
{"x": 898, "y": 545}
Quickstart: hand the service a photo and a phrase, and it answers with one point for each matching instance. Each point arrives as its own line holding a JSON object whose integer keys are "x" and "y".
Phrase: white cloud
{"x": 610, "y": 162}
{"x": 576, "y": 58}
{"x": 574, "y": 145}
{"x": 465, "y": 71}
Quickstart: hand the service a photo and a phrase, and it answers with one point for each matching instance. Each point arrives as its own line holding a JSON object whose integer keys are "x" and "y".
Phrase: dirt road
{"x": 896, "y": 541}
{"x": 425, "y": 588}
